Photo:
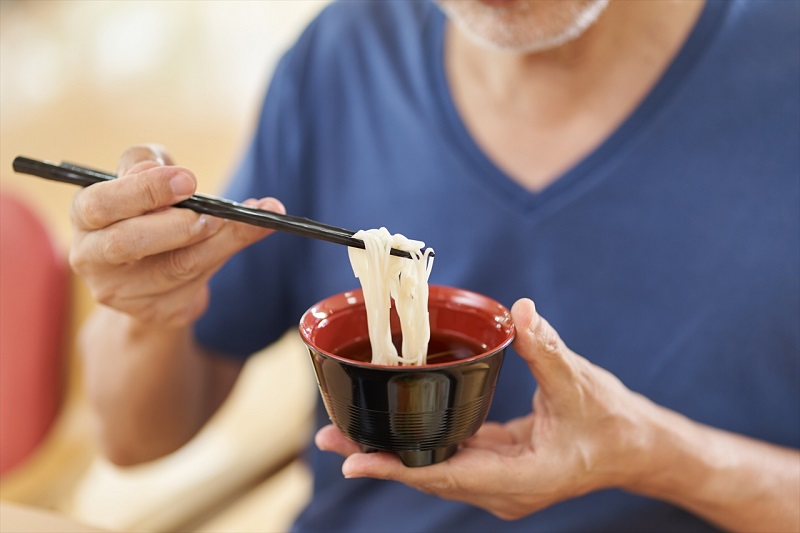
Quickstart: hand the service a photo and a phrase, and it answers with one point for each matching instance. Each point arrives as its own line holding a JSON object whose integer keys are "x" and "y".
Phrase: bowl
{"x": 420, "y": 413}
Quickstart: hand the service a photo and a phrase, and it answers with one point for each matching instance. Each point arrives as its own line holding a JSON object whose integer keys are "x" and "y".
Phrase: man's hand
{"x": 143, "y": 258}
{"x": 586, "y": 432}
{"x": 152, "y": 387}
{"x": 582, "y": 435}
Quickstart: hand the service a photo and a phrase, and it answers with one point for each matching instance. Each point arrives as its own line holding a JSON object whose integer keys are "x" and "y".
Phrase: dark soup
{"x": 442, "y": 348}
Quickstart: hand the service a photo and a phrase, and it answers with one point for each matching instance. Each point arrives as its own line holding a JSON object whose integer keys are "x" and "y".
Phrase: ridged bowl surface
{"x": 421, "y": 413}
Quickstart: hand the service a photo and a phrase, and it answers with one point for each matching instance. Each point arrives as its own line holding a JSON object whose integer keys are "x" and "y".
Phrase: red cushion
{"x": 34, "y": 292}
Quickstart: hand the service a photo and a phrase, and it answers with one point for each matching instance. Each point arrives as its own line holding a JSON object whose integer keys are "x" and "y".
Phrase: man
{"x": 632, "y": 167}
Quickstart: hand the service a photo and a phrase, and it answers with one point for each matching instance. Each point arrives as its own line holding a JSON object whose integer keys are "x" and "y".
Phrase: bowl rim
{"x": 312, "y": 317}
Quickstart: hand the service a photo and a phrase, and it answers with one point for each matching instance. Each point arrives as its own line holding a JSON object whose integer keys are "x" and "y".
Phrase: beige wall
{"x": 82, "y": 80}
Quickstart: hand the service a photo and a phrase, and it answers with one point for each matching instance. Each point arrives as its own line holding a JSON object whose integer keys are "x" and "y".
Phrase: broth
{"x": 442, "y": 348}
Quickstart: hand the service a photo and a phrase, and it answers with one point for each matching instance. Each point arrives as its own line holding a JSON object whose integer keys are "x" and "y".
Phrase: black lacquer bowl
{"x": 421, "y": 413}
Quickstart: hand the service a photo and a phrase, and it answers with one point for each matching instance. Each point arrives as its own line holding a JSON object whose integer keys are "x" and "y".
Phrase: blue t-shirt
{"x": 670, "y": 255}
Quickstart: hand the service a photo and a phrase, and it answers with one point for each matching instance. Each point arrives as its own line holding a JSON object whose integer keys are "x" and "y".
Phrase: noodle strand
{"x": 384, "y": 278}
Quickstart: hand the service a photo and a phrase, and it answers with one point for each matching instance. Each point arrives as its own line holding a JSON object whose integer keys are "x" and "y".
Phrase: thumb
{"x": 549, "y": 359}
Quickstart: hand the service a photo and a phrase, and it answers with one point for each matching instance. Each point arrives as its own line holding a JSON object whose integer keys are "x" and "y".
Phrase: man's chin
{"x": 521, "y": 26}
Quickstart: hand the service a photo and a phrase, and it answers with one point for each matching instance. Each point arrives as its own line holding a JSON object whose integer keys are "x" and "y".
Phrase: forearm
{"x": 151, "y": 387}
{"x": 733, "y": 481}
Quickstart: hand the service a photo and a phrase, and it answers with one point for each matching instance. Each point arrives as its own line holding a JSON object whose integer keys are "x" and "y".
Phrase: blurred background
{"x": 80, "y": 81}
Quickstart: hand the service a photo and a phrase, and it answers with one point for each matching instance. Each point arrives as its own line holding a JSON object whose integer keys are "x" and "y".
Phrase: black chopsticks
{"x": 202, "y": 203}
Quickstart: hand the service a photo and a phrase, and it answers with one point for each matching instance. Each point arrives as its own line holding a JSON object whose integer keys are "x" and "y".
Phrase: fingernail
{"x": 350, "y": 475}
{"x": 534, "y": 323}
{"x": 347, "y": 472}
{"x": 182, "y": 184}
{"x": 535, "y": 318}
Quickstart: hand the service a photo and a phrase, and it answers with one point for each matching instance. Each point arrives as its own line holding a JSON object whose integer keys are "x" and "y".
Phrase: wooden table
{"x": 15, "y": 518}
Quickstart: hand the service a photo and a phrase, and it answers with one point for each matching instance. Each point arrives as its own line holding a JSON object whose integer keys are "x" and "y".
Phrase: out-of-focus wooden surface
{"x": 15, "y": 518}
{"x": 81, "y": 81}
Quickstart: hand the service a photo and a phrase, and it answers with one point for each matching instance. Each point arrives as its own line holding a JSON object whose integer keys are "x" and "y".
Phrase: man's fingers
{"x": 234, "y": 236}
{"x": 149, "y": 189}
{"x": 469, "y": 471}
{"x": 144, "y": 183}
{"x": 169, "y": 247}
{"x": 511, "y": 435}
{"x": 206, "y": 257}
{"x": 136, "y": 238}
{"x": 143, "y": 152}
{"x": 330, "y": 439}
{"x": 550, "y": 361}
{"x": 378, "y": 465}
{"x": 160, "y": 275}
{"x": 490, "y": 435}
{"x": 478, "y": 477}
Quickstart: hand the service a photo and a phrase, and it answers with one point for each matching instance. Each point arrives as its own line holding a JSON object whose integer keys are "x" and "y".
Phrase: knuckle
{"x": 446, "y": 484}
{"x": 243, "y": 234}
{"x": 190, "y": 225}
{"x": 239, "y": 232}
{"x": 86, "y": 211}
{"x": 151, "y": 192}
{"x": 104, "y": 294}
{"x": 115, "y": 250}
{"x": 181, "y": 265}
{"x": 138, "y": 152}
{"x": 122, "y": 245}
{"x": 77, "y": 261}
{"x": 548, "y": 337}
{"x": 135, "y": 155}
{"x": 551, "y": 342}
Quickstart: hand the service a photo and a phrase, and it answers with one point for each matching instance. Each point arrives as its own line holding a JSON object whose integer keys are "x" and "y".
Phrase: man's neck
{"x": 537, "y": 114}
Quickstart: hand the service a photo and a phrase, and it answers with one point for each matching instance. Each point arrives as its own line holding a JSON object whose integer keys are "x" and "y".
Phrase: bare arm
{"x": 587, "y": 432}
{"x": 148, "y": 265}
{"x": 736, "y": 482}
{"x": 152, "y": 387}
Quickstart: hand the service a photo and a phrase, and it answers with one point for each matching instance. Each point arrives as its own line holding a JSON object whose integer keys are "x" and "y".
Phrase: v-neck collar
{"x": 581, "y": 175}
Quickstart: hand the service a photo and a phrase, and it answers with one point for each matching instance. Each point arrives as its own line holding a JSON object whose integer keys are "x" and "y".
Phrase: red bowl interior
{"x": 342, "y": 319}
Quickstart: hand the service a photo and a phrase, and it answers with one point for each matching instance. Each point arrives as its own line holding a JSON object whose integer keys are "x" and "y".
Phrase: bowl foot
{"x": 427, "y": 457}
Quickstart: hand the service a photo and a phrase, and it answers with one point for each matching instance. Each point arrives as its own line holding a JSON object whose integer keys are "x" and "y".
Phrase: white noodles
{"x": 384, "y": 277}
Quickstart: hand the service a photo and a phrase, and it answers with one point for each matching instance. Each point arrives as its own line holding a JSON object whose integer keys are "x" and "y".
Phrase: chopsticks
{"x": 203, "y": 203}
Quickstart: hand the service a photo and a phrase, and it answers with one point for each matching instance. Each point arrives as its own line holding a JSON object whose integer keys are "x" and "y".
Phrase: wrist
{"x": 108, "y": 330}
{"x": 674, "y": 461}
{"x": 634, "y": 457}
